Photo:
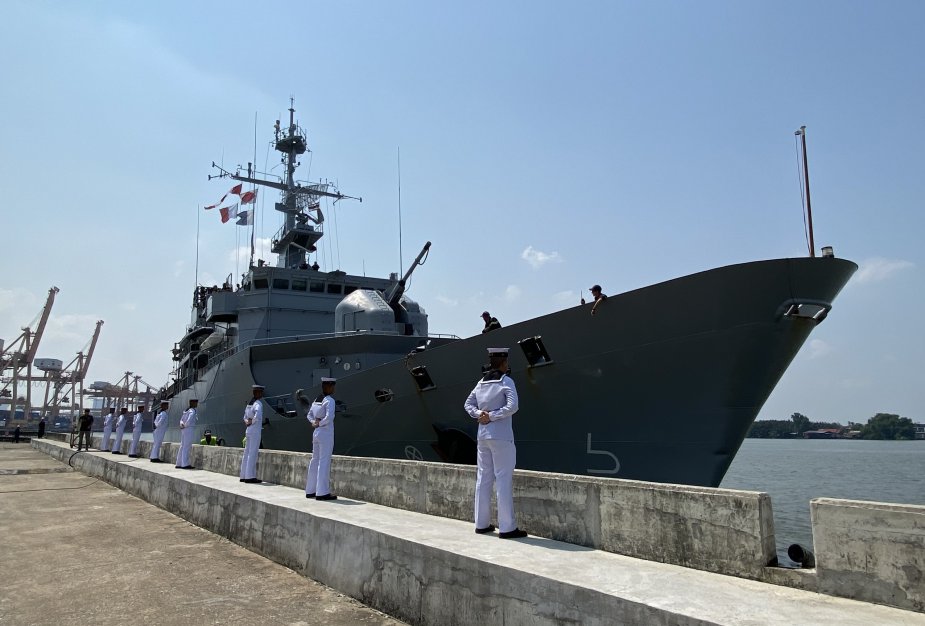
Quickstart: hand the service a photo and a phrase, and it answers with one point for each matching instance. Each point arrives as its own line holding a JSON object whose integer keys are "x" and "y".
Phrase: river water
{"x": 793, "y": 471}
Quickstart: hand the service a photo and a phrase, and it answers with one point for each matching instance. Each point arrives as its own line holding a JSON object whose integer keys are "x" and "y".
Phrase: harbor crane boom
{"x": 18, "y": 356}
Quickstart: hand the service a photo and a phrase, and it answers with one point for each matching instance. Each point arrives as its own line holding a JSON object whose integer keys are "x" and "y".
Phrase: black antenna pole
{"x": 809, "y": 208}
{"x": 401, "y": 264}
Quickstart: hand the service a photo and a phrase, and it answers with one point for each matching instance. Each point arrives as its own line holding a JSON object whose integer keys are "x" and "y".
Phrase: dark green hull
{"x": 661, "y": 385}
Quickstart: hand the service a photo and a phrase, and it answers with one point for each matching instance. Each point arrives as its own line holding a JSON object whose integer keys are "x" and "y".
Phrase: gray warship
{"x": 660, "y": 385}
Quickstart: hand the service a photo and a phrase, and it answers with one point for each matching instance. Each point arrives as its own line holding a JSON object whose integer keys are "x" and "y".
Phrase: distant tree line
{"x": 880, "y": 426}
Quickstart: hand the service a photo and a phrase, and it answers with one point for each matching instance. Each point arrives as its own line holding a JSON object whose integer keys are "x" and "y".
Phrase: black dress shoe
{"x": 241, "y": 480}
{"x": 327, "y": 496}
{"x": 133, "y": 456}
{"x": 310, "y": 495}
{"x": 156, "y": 461}
{"x": 482, "y": 531}
{"x": 187, "y": 467}
{"x": 178, "y": 467}
{"x": 253, "y": 481}
{"x": 116, "y": 452}
{"x": 513, "y": 534}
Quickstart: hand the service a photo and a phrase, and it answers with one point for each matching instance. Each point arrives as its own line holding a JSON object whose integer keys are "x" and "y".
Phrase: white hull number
{"x": 613, "y": 458}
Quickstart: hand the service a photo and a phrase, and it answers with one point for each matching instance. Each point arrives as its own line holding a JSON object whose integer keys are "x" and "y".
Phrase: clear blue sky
{"x": 544, "y": 147}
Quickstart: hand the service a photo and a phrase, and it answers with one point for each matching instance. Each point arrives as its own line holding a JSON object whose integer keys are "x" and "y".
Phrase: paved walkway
{"x": 79, "y": 551}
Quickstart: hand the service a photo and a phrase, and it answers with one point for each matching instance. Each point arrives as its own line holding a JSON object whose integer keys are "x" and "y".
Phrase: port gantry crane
{"x": 17, "y": 358}
{"x": 66, "y": 386}
{"x": 130, "y": 391}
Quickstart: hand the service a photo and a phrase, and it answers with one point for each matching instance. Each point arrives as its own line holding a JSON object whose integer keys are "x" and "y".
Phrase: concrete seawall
{"x": 870, "y": 551}
{"x": 434, "y": 570}
{"x": 717, "y": 530}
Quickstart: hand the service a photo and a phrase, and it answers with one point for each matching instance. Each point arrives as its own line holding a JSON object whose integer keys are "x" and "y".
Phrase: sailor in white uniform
{"x": 493, "y": 403}
{"x": 137, "y": 422}
{"x": 321, "y": 416}
{"x": 253, "y": 422}
{"x": 108, "y": 420}
{"x": 120, "y": 430}
{"x": 187, "y": 430}
{"x": 160, "y": 429}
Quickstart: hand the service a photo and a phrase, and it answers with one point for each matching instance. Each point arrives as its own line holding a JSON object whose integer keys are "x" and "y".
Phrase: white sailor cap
{"x": 326, "y": 379}
{"x": 256, "y": 387}
{"x": 498, "y": 351}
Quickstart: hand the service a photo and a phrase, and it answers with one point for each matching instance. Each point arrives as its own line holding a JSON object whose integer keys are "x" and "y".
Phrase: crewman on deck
{"x": 208, "y": 439}
{"x": 321, "y": 416}
{"x": 493, "y": 403}
{"x": 108, "y": 420}
{"x": 599, "y": 297}
{"x": 253, "y": 422}
{"x": 187, "y": 427}
{"x": 160, "y": 429}
{"x": 120, "y": 430}
{"x": 137, "y": 423}
{"x": 491, "y": 323}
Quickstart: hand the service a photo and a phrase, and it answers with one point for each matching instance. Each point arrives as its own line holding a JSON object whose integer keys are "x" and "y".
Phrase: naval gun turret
{"x": 369, "y": 310}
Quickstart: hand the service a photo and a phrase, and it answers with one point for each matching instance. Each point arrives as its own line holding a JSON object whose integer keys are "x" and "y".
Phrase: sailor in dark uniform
{"x": 493, "y": 403}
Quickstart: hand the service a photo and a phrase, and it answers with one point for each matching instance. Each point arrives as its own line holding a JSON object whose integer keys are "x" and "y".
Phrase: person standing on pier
{"x": 187, "y": 424}
{"x": 120, "y": 431}
{"x": 493, "y": 403}
{"x": 160, "y": 429}
{"x": 137, "y": 422}
{"x": 85, "y": 424}
{"x": 107, "y": 429}
{"x": 318, "y": 482}
{"x": 253, "y": 422}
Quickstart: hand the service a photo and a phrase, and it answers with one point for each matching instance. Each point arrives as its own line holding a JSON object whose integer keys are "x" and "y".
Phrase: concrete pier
{"x": 76, "y": 550}
{"x": 434, "y": 570}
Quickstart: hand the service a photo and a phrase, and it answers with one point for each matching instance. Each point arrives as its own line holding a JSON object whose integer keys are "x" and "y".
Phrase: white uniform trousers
{"x": 251, "y": 449}
{"x": 186, "y": 444}
{"x": 117, "y": 442}
{"x": 319, "y": 469}
{"x": 496, "y": 461}
{"x": 136, "y": 437}
{"x": 104, "y": 442}
{"x": 156, "y": 444}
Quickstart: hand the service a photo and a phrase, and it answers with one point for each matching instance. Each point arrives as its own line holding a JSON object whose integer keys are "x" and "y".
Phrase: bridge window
{"x": 280, "y": 283}
{"x": 349, "y": 289}
{"x": 299, "y": 284}
{"x": 334, "y": 288}
{"x": 261, "y": 283}
{"x": 316, "y": 287}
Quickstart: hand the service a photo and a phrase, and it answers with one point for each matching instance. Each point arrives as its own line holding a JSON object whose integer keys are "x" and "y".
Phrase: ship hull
{"x": 661, "y": 384}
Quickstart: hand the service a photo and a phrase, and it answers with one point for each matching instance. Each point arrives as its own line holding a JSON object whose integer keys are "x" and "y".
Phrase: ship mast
{"x": 300, "y": 204}
{"x": 809, "y": 208}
